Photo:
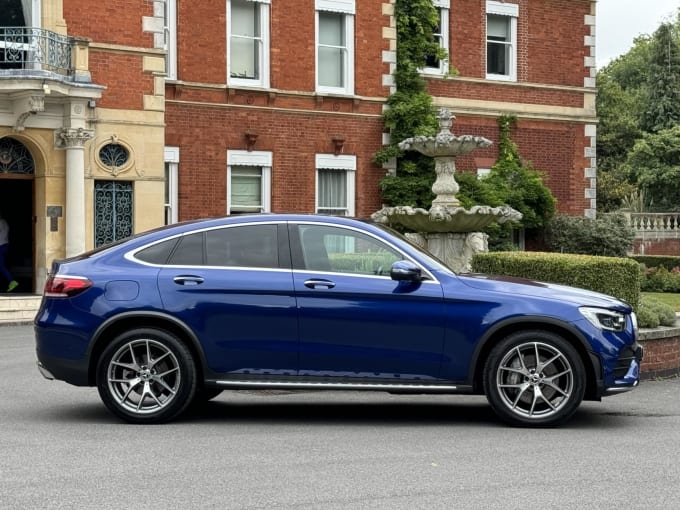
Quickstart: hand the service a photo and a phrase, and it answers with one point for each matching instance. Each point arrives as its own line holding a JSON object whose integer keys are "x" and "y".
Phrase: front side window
{"x": 334, "y": 49}
{"x": 501, "y": 41}
{"x": 248, "y": 182}
{"x": 248, "y": 44}
{"x": 340, "y": 250}
{"x": 335, "y": 178}
{"x": 441, "y": 37}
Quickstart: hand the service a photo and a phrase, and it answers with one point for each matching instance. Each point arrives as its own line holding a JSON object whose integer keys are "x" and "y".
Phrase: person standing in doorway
{"x": 4, "y": 248}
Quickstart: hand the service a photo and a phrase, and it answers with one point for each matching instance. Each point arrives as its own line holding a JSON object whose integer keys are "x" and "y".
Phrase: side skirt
{"x": 345, "y": 386}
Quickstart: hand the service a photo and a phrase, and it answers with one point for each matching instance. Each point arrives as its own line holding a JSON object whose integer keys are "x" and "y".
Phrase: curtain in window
{"x": 244, "y": 55}
{"x": 28, "y": 12}
{"x": 332, "y": 49}
{"x": 332, "y": 192}
{"x": 246, "y": 189}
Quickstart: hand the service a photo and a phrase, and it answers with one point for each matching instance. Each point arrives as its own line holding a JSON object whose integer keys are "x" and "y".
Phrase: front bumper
{"x": 626, "y": 373}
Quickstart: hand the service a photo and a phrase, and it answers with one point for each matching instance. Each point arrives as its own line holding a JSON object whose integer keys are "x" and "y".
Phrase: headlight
{"x": 602, "y": 318}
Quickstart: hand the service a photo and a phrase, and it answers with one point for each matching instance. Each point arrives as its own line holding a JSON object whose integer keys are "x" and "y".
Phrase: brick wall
{"x": 110, "y": 21}
{"x": 656, "y": 246}
{"x": 662, "y": 353}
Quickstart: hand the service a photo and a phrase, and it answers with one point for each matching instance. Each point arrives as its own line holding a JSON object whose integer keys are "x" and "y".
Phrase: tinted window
{"x": 342, "y": 250}
{"x": 246, "y": 246}
{"x": 158, "y": 253}
{"x": 189, "y": 252}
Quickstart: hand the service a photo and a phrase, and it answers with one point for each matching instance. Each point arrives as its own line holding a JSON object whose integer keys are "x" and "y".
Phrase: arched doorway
{"x": 17, "y": 170}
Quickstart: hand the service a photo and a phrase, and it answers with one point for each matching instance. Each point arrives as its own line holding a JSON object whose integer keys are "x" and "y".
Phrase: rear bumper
{"x": 72, "y": 372}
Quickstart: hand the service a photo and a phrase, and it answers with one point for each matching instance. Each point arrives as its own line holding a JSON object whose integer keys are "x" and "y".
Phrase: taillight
{"x": 66, "y": 286}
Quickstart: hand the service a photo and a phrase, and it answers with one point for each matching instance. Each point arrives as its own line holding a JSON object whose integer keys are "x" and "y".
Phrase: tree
{"x": 662, "y": 99}
{"x": 654, "y": 164}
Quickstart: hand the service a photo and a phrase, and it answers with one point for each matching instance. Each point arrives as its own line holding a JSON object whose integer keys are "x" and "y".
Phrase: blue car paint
{"x": 267, "y": 322}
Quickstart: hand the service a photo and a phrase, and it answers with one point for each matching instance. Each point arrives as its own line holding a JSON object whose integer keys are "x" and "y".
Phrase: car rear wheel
{"x": 146, "y": 376}
{"x": 534, "y": 378}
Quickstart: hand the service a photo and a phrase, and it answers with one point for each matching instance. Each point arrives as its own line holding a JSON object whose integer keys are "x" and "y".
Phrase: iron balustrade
{"x": 35, "y": 49}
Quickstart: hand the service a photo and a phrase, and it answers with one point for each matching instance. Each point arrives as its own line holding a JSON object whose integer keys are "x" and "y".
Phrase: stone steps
{"x": 18, "y": 308}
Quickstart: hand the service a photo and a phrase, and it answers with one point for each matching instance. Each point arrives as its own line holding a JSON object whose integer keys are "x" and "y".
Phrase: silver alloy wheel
{"x": 143, "y": 376}
{"x": 535, "y": 380}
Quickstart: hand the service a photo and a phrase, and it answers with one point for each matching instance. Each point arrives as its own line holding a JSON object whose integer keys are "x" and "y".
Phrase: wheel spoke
{"x": 524, "y": 387}
{"x": 552, "y": 385}
{"x": 132, "y": 381}
{"x": 542, "y": 366}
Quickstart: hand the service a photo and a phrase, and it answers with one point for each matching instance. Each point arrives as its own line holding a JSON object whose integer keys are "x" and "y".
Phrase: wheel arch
{"x": 114, "y": 326}
{"x": 591, "y": 361}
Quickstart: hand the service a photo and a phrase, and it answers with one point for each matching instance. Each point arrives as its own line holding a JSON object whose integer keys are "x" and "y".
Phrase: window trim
{"x": 170, "y": 35}
{"x": 509, "y": 11}
{"x": 444, "y": 22}
{"x": 257, "y": 159}
{"x": 172, "y": 205}
{"x": 346, "y": 163}
{"x": 263, "y": 81}
{"x": 346, "y": 8}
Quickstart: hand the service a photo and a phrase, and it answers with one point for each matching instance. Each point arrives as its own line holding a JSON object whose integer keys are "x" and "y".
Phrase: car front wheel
{"x": 146, "y": 376}
{"x": 534, "y": 378}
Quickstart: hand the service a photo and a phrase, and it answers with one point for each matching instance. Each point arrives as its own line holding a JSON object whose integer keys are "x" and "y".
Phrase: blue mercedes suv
{"x": 179, "y": 314}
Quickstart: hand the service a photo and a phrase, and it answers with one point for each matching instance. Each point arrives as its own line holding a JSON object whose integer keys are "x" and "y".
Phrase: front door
{"x": 16, "y": 206}
{"x": 355, "y": 321}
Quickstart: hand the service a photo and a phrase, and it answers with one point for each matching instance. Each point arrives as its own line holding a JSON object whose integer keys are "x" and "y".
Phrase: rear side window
{"x": 158, "y": 253}
{"x": 246, "y": 246}
{"x": 189, "y": 251}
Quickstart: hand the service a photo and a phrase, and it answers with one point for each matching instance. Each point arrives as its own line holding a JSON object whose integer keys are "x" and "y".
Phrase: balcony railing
{"x": 28, "y": 49}
{"x": 656, "y": 224}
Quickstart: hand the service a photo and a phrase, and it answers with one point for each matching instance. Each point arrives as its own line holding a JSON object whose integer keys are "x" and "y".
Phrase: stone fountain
{"x": 447, "y": 230}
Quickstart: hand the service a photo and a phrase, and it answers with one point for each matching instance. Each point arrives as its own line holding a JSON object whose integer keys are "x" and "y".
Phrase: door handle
{"x": 313, "y": 284}
{"x": 187, "y": 280}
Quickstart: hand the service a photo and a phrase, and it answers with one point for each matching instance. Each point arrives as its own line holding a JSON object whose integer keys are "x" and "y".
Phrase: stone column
{"x": 73, "y": 141}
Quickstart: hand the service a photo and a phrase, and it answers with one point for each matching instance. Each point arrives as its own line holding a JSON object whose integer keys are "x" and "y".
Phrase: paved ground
{"x": 59, "y": 448}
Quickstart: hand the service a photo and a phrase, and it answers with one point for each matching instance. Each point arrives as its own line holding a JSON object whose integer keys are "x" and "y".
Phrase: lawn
{"x": 673, "y": 300}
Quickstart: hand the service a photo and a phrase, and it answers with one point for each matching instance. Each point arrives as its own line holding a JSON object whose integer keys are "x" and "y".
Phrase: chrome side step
{"x": 304, "y": 385}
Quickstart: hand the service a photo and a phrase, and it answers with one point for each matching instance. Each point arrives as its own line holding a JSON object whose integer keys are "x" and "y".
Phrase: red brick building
{"x": 276, "y": 106}
{"x": 118, "y": 117}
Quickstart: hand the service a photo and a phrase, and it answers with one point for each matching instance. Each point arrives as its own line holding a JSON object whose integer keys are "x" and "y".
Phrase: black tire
{"x": 142, "y": 391}
{"x": 529, "y": 394}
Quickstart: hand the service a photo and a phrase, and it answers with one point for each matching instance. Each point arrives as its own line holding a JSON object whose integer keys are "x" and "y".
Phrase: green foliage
{"x": 609, "y": 235}
{"x": 623, "y": 275}
{"x": 660, "y": 279}
{"x": 654, "y": 163}
{"x": 638, "y": 98}
{"x": 668, "y": 261}
{"x": 661, "y": 101}
{"x": 653, "y": 313}
{"x": 410, "y": 112}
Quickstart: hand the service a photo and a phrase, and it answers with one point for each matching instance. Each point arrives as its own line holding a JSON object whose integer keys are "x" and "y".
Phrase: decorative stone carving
{"x": 35, "y": 104}
{"x": 447, "y": 230}
{"x": 72, "y": 138}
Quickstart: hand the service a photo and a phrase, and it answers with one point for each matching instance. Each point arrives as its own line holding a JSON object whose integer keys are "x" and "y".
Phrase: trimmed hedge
{"x": 619, "y": 277}
{"x": 666, "y": 261}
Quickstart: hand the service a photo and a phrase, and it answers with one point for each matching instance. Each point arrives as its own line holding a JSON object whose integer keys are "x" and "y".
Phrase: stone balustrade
{"x": 658, "y": 225}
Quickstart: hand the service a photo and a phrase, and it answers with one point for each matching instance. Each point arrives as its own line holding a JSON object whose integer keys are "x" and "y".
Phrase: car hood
{"x": 531, "y": 288}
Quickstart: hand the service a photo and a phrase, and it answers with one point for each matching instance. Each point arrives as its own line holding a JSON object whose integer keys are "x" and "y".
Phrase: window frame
{"x": 347, "y": 9}
{"x": 340, "y": 163}
{"x": 255, "y": 159}
{"x": 264, "y": 51}
{"x": 171, "y": 194}
{"x": 444, "y": 7}
{"x": 510, "y": 11}
{"x": 170, "y": 35}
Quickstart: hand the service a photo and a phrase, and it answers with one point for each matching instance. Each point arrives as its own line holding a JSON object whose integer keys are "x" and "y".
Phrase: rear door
{"x": 233, "y": 286}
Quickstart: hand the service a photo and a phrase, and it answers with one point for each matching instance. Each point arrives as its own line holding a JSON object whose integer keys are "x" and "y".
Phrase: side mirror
{"x": 405, "y": 271}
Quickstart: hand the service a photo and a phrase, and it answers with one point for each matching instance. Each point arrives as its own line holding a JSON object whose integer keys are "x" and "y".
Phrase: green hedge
{"x": 665, "y": 261}
{"x": 615, "y": 276}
